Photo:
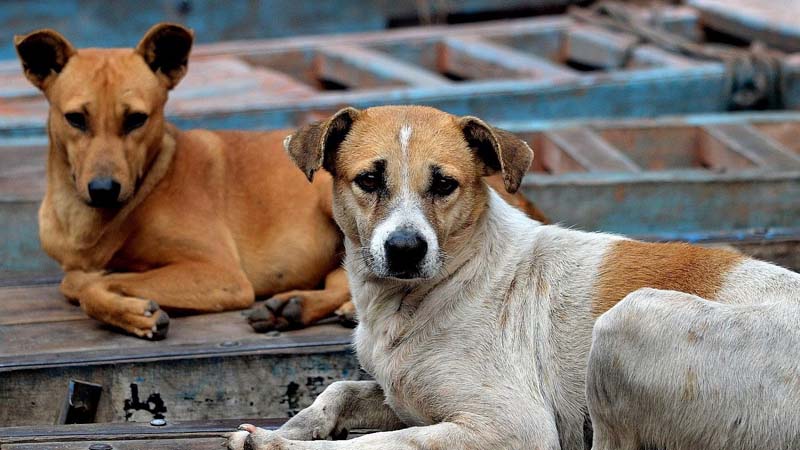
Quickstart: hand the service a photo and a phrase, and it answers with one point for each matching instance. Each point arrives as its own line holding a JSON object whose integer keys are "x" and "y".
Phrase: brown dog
{"x": 145, "y": 218}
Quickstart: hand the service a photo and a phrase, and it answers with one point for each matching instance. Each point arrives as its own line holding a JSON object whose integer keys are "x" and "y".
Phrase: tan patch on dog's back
{"x": 631, "y": 265}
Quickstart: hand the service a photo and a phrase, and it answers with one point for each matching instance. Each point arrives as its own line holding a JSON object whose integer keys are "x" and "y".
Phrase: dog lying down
{"x": 145, "y": 218}
{"x": 669, "y": 370}
{"x": 474, "y": 320}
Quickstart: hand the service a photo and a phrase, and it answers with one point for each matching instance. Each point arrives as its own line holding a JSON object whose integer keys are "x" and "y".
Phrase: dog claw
{"x": 247, "y": 427}
{"x": 160, "y": 328}
{"x": 275, "y": 305}
{"x": 293, "y": 311}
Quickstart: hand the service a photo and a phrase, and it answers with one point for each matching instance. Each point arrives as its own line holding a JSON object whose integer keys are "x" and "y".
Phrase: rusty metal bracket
{"x": 81, "y": 403}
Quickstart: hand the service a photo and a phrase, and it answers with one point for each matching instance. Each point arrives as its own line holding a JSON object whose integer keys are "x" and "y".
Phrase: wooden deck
{"x": 211, "y": 366}
{"x": 727, "y": 179}
{"x": 186, "y": 435}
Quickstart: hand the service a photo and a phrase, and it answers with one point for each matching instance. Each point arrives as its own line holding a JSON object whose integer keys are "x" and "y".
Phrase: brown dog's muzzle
{"x": 104, "y": 192}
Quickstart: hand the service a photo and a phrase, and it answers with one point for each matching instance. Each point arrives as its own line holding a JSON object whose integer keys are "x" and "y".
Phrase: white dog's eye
{"x": 442, "y": 185}
{"x": 369, "y": 182}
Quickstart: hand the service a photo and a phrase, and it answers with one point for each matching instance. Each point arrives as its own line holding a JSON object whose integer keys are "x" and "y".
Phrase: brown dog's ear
{"x": 315, "y": 145}
{"x": 43, "y": 54}
{"x": 165, "y": 48}
{"x": 498, "y": 150}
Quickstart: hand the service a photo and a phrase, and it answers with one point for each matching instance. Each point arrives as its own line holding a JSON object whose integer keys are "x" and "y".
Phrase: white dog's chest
{"x": 427, "y": 377}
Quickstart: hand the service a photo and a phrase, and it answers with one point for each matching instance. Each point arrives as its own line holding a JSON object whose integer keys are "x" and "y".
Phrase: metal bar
{"x": 359, "y": 67}
{"x": 477, "y": 58}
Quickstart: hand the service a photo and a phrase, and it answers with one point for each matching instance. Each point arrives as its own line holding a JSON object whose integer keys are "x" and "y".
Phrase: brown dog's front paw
{"x": 144, "y": 319}
{"x": 277, "y": 314}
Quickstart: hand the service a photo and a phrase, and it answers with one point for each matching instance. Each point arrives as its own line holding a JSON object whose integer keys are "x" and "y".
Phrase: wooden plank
{"x": 85, "y": 341}
{"x": 471, "y": 57}
{"x": 748, "y": 142}
{"x": 188, "y": 387}
{"x": 590, "y": 151}
{"x": 774, "y": 22}
{"x": 358, "y": 67}
{"x": 666, "y": 203}
{"x": 598, "y": 47}
{"x": 210, "y": 365}
{"x": 652, "y": 56}
{"x": 35, "y": 304}
{"x": 211, "y": 443}
{"x": 44, "y": 433}
{"x": 206, "y": 434}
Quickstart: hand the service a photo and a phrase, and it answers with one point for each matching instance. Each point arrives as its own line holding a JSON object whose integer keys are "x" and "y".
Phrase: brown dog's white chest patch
{"x": 631, "y": 265}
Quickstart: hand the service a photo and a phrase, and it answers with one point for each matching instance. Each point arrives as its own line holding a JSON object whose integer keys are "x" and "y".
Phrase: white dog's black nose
{"x": 104, "y": 192}
{"x": 405, "y": 250}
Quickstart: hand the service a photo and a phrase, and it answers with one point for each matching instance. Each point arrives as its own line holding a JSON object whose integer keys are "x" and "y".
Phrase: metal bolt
{"x": 229, "y": 344}
{"x": 100, "y": 447}
{"x": 158, "y": 422}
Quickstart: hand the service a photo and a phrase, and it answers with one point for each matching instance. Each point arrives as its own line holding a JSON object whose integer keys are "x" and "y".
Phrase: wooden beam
{"x": 746, "y": 141}
{"x": 590, "y": 151}
{"x": 598, "y": 47}
{"x": 358, "y": 67}
{"x": 477, "y": 58}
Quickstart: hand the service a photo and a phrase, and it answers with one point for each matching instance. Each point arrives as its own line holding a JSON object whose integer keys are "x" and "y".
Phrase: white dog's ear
{"x": 498, "y": 150}
{"x": 314, "y": 146}
{"x": 43, "y": 54}
{"x": 165, "y": 48}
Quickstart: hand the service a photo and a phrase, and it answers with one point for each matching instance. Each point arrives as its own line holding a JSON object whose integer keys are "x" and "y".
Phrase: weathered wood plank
{"x": 748, "y": 142}
{"x": 35, "y": 304}
{"x": 597, "y": 47}
{"x": 41, "y": 434}
{"x": 474, "y": 58}
{"x": 211, "y": 443}
{"x": 85, "y": 341}
{"x": 590, "y": 151}
{"x": 666, "y": 203}
{"x": 774, "y": 22}
{"x": 117, "y": 24}
{"x": 358, "y": 67}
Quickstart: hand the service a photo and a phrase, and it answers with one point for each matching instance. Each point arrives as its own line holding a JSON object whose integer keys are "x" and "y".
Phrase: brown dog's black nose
{"x": 405, "y": 250}
{"x": 104, "y": 192}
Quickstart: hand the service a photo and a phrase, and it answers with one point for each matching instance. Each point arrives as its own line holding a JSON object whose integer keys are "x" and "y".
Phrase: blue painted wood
{"x": 681, "y": 200}
{"x": 121, "y": 23}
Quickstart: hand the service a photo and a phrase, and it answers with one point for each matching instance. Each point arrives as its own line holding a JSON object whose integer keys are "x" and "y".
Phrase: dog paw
{"x": 277, "y": 314}
{"x": 347, "y": 315}
{"x": 141, "y": 318}
{"x": 250, "y": 437}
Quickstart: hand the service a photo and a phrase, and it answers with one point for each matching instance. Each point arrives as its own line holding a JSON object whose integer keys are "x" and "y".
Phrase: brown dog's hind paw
{"x": 347, "y": 315}
{"x": 277, "y": 314}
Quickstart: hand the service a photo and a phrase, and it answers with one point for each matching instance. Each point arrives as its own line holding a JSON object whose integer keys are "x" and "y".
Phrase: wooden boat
{"x": 585, "y": 98}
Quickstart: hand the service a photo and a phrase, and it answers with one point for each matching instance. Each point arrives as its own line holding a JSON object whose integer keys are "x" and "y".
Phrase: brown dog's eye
{"x": 133, "y": 121}
{"x": 76, "y": 120}
{"x": 369, "y": 182}
{"x": 442, "y": 186}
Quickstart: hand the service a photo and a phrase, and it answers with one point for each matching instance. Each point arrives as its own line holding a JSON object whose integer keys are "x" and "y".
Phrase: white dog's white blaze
{"x": 405, "y": 213}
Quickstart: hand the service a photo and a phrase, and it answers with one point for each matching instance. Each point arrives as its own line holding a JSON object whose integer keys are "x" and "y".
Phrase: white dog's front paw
{"x": 250, "y": 437}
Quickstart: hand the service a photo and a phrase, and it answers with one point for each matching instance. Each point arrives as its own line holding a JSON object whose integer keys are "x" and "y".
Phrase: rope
{"x": 752, "y": 76}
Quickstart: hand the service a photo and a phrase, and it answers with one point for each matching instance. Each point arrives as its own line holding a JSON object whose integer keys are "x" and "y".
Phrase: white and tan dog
{"x": 475, "y": 321}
